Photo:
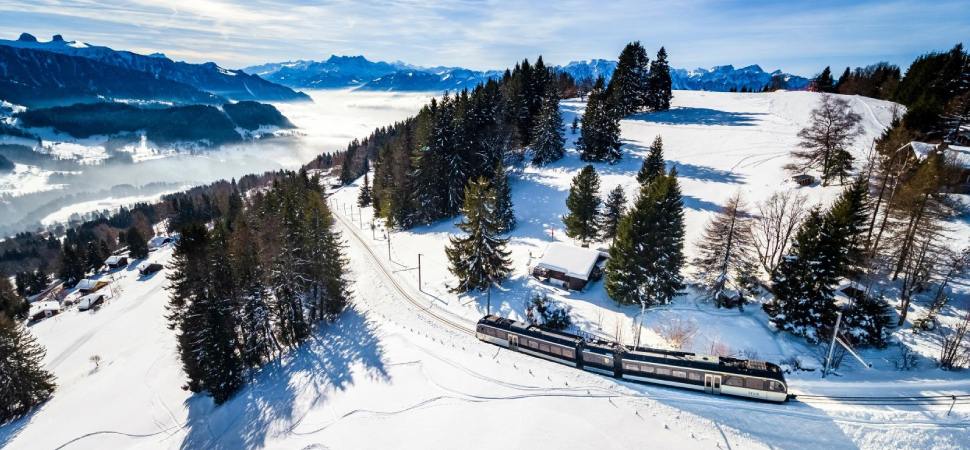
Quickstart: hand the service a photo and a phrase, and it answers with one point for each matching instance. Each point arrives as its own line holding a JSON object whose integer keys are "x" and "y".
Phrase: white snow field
{"x": 397, "y": 370}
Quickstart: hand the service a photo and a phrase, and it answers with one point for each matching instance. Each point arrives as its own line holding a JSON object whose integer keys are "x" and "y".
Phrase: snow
{"x": 960, "y": 155}
{"x": 922, "y": 149}
{"x": 575, "y": 262}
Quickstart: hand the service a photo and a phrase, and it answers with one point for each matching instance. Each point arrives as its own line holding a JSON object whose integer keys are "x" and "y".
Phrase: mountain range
{"x": 361, "y": 73}
{"x": 35, "y": 73}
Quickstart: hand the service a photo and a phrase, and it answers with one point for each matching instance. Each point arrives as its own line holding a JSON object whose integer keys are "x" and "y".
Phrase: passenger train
{"x": 711, "y": 374}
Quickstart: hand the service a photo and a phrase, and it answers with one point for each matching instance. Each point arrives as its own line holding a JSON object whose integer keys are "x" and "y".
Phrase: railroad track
{"x": 401, "y": 289}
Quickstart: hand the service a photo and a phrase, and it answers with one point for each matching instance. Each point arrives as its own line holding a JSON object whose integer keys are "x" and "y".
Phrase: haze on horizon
{"x": 797, "y": 37}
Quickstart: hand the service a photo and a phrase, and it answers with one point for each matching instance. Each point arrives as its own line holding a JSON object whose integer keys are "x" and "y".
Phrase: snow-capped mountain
{"x": 208, "y": 77}
{"x": 358, "y": 71}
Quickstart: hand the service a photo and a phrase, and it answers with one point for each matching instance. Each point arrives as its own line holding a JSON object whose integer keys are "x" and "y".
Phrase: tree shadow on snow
{"x": 284, "y": 390}
{"x": 636, "y": 152}
{"x": 698, "y": 116}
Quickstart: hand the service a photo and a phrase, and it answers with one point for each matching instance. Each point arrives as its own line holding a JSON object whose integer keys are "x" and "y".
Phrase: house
{"x": 92, "y": 300}
{"x": 157, "y": 242}
{"x": 148, "y": 269}
{"x": 572, "y": 267}
{"x": 87, "y": 285}
{"x": 116, "y": 261}
{"x": 44, "y": 309}
{"x": 803, "y": 179}
{"x": 960, "y": 157}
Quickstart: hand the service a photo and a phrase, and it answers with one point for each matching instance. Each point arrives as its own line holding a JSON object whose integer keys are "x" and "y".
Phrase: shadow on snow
{"x": 698, "y": 116}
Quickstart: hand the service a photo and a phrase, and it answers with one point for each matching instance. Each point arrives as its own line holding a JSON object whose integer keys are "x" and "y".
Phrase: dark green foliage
{"x": 867, "y": 320}
{"x": 930, "y": 84}
{"x": 364, "y": 196}
{"x": 600, "y": 136}
{"x": 504, "y": 210}
{"x": 654, "y": 165}
{"x": 825, "y": 142}
{"x": 613, "y": 210}
{"x": 32, "y": 282}
{"x": 824, "y": 82}
{"x": 12, "y": 304}
{"x": 847, "y": 222}
{"x": 647, "y": 255}
{"x": 628, "y": 91}
{"x": 251, "y": 115}
{"x": 877, "y": 81}
{"x": 548, "y": 141}
{"x": 137, "y": 244}
{"x": 659, "y": 84}
{"x": 583, "y": 202}
{"x": 575, "y": 126}
{"x": 479, "y": 258}
{"x": 546, "y": 313}
{"x": 24, "y": 383}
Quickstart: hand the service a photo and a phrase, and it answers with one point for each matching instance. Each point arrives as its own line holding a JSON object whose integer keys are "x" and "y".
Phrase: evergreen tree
{"x": 869, "y": 319}
{"x": 547, "y": 138}
{"x": 256, "y": 340}
{"x": 364, "y": 197}
{"x": 824, "y": 82}
{"x": 725, "y": 250}
{"x": 654, "y": 166}
{"x": 628, "y": 91}
{"x": 599, "y": 139}
{"x": 614, "y": 208}
{"x": 137, "y": 245}
{"x": 12, "y": 304}
{"x": 23, "y": 381}
{"x": 583, "y": 202}
{"x": 803, "y": 283}
{"x": 843, "y": 82}
{"x": 504, "y": 210}
{"x": 575, "y": 124}
{"x": 659, "y": 84}
{"x": 647, "y": 255}
{"x": 188, "y": 278}
{"x": 72, "y": 264}
{"x": 479, "y": 258}
{"x": 222, "y": 368}
{"x": 847, "y": 223}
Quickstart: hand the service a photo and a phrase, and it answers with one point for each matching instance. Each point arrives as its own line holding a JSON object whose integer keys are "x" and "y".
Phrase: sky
{"x": 798, "y": 37}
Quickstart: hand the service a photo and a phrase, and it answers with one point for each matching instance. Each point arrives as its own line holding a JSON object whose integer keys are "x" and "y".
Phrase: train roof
{"x": 723, "y": 364}
{"x": 531, "y": 330}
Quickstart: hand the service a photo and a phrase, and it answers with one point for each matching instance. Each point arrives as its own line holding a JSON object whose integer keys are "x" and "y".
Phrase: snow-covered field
{"x": 385, "y": 375}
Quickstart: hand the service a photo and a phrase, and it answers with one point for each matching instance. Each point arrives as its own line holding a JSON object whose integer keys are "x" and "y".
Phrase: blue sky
{"x": 798, "y": 37}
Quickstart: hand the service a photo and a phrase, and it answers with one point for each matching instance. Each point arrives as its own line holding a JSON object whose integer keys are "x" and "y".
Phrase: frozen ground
{"x": 385, "y": 375}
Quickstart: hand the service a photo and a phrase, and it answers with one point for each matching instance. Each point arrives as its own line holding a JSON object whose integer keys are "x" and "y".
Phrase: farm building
{"x": 573, "y": 267}
{"x": 87, "y": 285}
{"x": 116, "y": 261}
{"x": 159, "y": 241}
{"x": 92, "y": 300}
{"x": 803, "y": 179}
{"x": 148, "y": 269}
{"x": 44, "y": 309}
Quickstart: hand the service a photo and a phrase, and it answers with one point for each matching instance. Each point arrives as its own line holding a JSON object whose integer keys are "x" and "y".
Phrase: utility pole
{"x": 419, "y": 273}
{"x": 643, "y": 307}
{"x": 835, "y": 334}
{"x": 373, "y": 230}
{"x": 488, "y": 301}
{"x": 388, "y": 245}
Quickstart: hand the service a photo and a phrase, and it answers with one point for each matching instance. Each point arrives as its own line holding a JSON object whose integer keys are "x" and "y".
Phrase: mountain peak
{"x": 57, "y": 38}
{"x": 26, "y": 37}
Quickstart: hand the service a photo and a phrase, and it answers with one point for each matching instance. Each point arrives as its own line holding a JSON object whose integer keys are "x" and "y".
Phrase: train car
{"x": 711, "y": 374}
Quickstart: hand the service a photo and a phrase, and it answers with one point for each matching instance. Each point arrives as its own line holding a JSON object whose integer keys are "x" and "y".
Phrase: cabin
{"x": 44, "y": 309}
{"x": 116, "y": 261}
{"x": 569, "y": 266}
{"x": 148, "y": 269}
{"x": 803, "y": 179}
{"x": 92, "y": 301}
{"x": 157, "y": 242}
{"x": 88, "y": 286}
{"x": 960, "y": 157}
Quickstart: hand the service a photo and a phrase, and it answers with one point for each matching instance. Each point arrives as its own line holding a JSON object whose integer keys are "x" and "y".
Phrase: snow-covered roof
{"x": 48, "y": 305}
{"x": 114, "y": 259}
{"x": 158, "y": 241}
{"x": 88, "y": 283}
{"x": 960, "y": 155}
{"x": 576, "y": 262}
{"x": 922, "y": 149}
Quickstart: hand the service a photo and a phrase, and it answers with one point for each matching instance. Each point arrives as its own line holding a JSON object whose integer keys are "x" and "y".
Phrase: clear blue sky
{"x": 795, "y": 36}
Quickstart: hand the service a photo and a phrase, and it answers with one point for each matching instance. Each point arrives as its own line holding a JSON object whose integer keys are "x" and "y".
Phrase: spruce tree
{"x": 72, "y": 263}
{"x": 575, "y": 124}
{"x": 824, "y": 81}
{"x": 613, "y": 210}
{"x": 847, "y": 223}
{"x": 137, "y": 244}
{"x": 12, "y": 304}
{"x": 725, "y": 250}
{"x": 653, "y": 166}
{"x": 364, "y": 197}
{"x": 504, "y": 210}
{"x": 803, "y": 283}
{"x": 647, "y": 255}
{"x": 256, "y": 340}
{"x": 599, "y": 138}
{"x": 547, "y": 138}
{"x": 479, "y": 258}
{"x": 843, "y": 82}
{"x": 659, "y": 84}
{"x": 222, "y": 368}
{"x": 583, "y": 202}
{"x": 188, "y": 279}
{"x": 628, "y": 91}
{"x": 869, "y": 319}
{"x": 24, "y": 383}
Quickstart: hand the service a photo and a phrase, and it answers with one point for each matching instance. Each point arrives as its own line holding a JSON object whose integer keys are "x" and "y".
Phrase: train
{"x": 717, "y": 375}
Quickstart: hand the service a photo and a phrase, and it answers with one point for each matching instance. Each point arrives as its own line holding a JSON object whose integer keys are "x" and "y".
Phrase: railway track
{"x": 468, "y": 329}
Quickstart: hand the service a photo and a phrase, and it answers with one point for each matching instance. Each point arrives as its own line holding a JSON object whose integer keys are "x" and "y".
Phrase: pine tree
{"x": 599, "y": 139}
{"x": 222, "y": 368}
{"x": 725, "y": 250}
{"x": 869, "y": 319}
{"x": 24, "y": 383}
{"x": 72, "y": 263}
{"x": 137, "y": 244}
{"x": 659, "y": 83}
{"x": 504, "y": 210}
{"x": 583, "y": 202}
{"x": 12, "y": 304}
{"x": 803, "y": 283}
{"x": 479, "y": 258}
{"x": 364, "y": 197}
{"x": 628, "y": 91}
{"x": 547, "y": 138}
{"x": 188, "y": 278}
{"x": 824, "y": 81}
{"x": 647, "y": 255}
{"x": 847, "y": 222}
{"x": 843, "y": 82}
{"x": 575, "y": 124}
{"x": 256, "y": 339}
{"x": 614, "y": 208}
{"x": 825, "y": 142}
{"x": 653, "y": 166}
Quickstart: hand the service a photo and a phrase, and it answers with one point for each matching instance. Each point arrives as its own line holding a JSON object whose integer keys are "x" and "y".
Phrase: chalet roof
{"x": 960, "y": 155}
{"x": 922, "y": 149}
{"x": 48, "y": 305}
{"x": 575, "y": 262}
{"x": 88, "y": 283}
{"x": 158, "y": 241}
{"x": 114, "y": 259}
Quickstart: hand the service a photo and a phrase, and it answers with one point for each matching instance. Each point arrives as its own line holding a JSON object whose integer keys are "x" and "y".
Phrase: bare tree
{"x": 955, "y": 343}
{"x": 726, "y": 247}
{"x": 779, "y": 217}
{"x": 825, "y": 142}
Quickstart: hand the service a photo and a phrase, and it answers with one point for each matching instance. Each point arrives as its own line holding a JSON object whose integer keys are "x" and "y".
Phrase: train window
{"x": 567, "y": 353}
{"x": 544, "y": 348}
{"x": 733, "y": 381}
{"x": 607, "y": 360}
{"x": 630, "y": 366}
{"x": 775, "y": 386}
{"x": 754, "y": 383}
{"x": 501, "y": 335}
{"x": 663, "y": 371}
{"x": 696, "y": 376}
{"x": 555, "y": 350}
{"x": 680, "y": 374}
{"x": 646, "y": 369}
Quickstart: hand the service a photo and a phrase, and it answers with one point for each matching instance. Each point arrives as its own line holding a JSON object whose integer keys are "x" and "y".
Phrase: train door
{"x": 712, "y": 384}
{"x": 513, "y": 343}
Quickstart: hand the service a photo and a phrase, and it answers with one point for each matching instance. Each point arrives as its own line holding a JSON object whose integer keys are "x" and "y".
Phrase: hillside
{"x": 387, "y": 375}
